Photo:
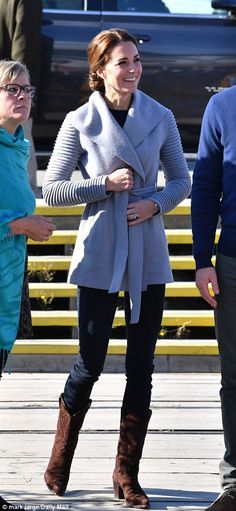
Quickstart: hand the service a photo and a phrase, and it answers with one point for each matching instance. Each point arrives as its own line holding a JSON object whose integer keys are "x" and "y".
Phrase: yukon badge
{"x": 214, "y": 89}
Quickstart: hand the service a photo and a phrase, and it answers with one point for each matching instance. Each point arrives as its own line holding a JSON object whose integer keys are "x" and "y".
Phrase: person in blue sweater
{"x": 214, "y": 200}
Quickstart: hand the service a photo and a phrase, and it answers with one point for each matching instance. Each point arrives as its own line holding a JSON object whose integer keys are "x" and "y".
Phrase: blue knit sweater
{"x": 214, "y": 180}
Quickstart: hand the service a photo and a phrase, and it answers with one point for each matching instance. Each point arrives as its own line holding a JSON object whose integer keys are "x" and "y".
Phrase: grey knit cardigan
{"x": 108, "y": 254}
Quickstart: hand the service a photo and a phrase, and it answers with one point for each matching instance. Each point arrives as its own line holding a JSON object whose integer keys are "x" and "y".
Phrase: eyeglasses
{"x": 13, "y": 89}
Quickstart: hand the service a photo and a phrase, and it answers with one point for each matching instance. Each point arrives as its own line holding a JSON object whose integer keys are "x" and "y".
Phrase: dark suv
{"x": 187, "y": 47}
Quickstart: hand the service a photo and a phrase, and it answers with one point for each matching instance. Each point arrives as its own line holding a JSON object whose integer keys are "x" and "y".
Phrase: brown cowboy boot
{"x": 66, "y": 438}
{"x": 133, "y": 430}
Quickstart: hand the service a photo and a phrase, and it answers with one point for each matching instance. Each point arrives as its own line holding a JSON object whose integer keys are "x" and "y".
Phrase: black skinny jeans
{"x": 96, "y": 313}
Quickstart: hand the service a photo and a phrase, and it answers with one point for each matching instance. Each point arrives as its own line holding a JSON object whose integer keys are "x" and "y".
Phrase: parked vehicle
{"x": 187, "y": 47}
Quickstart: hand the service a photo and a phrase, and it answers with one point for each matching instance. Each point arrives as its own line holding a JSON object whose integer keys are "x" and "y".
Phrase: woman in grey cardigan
{"x": 118, "y": 138}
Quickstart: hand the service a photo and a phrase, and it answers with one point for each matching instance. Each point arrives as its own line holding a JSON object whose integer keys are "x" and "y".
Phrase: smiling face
{"x": 121, "y": 74}
{"x": 14, "y": 109}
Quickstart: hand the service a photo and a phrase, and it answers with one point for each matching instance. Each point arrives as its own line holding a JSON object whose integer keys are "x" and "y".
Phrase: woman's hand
{"x": 35, "y": 227}
{"x": 139, "y": 211}
{"x": 120, "y": 180}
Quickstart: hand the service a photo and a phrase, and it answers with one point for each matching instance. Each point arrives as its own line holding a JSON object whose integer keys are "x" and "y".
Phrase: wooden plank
{"x": 64, "y": 290}
{"x": 184, "y": 387}
{"x": 43, "y": 209}
{"x": 108, "y": 389}
{"x": 48, "y": 263}
{"x": 27, "y": 448}
{"x": 186, "y": 347}
{"x": 175, "y": 418}
{"x": 165, "y": 496}
{"x": 178, "y": 318}
{"x": 34, "y": 465}
{"x": 102, "y": 479}
{"x": 68, "y": 237}
{"x": 60, "y": 237}
{"x": 52, "y": 290}
{"x": 114, "y": 404}
{"x": 61, "y": 262}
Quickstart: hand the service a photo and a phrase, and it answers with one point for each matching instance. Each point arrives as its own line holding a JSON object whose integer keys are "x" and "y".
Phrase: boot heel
{"x": 118, "y": 492}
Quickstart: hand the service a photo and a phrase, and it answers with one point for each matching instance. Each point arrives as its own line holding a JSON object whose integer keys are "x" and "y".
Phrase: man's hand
{"x": 206, "y": 279}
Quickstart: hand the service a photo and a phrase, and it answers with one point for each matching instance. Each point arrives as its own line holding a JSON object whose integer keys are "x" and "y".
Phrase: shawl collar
{"x": 97, "y": 123}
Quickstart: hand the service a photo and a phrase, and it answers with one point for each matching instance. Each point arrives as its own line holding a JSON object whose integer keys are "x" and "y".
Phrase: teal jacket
{"x": 16, "y": 200}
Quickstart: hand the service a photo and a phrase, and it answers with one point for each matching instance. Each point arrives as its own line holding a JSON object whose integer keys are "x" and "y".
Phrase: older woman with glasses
{"x": 17, "y": 203}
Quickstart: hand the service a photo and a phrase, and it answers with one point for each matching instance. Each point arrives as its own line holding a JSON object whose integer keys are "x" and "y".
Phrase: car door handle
{"x": 141, "y": 38}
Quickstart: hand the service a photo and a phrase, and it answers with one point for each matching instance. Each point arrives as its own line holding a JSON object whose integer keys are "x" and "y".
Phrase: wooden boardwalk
{"x": 179, "y": 470}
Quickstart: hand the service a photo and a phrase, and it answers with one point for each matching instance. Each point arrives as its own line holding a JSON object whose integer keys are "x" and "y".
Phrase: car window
{"x": 73, "y": 5}
{"x": 142, "y": 5}
{"x": 161, "y": 6}
{"x": 190, "y": 6}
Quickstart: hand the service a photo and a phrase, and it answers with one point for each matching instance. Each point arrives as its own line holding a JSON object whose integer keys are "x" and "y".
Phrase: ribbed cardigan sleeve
{"x": 58, "y": 189}
{"x": 178, "y": 181}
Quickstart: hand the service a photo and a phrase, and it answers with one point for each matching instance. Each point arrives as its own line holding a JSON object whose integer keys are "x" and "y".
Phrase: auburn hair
{"x": 99, "y": 51}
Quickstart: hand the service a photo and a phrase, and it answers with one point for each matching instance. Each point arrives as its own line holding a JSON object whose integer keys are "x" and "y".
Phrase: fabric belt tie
{"x": 129, "y": 246}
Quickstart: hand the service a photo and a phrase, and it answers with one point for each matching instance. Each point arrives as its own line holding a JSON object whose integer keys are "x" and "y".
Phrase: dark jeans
{"x": 96, "y": 314}
{"x": 225, "y": 316}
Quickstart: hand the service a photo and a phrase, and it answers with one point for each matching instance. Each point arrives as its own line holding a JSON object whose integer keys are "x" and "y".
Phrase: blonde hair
{"x": 99, "y": 51}
{"x": 11, "y": 69}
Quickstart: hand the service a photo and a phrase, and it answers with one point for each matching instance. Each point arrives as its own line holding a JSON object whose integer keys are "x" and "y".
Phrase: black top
{"x": 120, "y": 115}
